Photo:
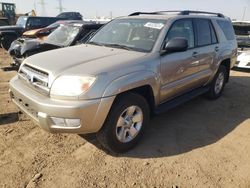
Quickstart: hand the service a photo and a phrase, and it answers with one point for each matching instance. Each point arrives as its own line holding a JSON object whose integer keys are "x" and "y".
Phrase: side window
{"x": 213, "y": 34}
{"x": 227, "y": 29}
{"x": 182, "y": 28}
{"x": 203, "y": 32}
{"x": 34, "y": 23}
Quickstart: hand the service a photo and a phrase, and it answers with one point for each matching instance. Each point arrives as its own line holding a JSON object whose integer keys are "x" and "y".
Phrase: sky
{"x": 91, "y": 8}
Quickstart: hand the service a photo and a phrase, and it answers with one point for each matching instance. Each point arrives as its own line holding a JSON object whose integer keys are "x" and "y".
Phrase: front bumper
{"x": 92, "y": 113}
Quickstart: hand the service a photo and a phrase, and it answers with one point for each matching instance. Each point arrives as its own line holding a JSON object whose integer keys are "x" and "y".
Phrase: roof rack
{"x": 184, "y": 12}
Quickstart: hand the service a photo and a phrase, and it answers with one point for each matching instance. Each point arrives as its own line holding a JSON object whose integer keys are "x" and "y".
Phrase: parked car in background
{"x": 68, "y": 34}
{"x": 24, "y": 23}
{"x": 42, "y": 33}
{"x": 243, "y": 60}
{"x": 70, "y": 16}
{"x": 135, "y": 65}
{"x": 242, "y": 31}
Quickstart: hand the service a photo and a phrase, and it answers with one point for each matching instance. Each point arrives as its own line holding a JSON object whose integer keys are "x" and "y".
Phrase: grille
{"x": 35, "y": 77}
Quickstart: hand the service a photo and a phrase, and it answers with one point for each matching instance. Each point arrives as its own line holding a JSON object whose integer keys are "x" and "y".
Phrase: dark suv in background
{"x": 70, "y": 16}
{"x": 24, "y": 23}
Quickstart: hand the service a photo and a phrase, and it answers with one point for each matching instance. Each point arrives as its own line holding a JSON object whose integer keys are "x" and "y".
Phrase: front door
{"x": 179, "y": 70}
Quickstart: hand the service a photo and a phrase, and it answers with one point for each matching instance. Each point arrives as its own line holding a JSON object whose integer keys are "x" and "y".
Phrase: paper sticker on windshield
{"x": 154, "y": 25}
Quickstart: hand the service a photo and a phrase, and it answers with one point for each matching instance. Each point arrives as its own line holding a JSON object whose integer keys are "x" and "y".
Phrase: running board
{"x": 180, "y": 100}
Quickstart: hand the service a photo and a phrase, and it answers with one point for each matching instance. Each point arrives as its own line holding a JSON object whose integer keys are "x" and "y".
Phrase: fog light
{"x": 65, "y": 123}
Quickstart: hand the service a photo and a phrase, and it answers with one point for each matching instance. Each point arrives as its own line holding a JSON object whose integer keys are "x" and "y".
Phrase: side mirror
{"x": 178, "y": 44}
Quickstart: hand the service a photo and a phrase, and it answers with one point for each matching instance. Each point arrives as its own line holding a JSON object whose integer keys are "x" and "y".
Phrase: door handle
{"x": 195, "y": 63}
{"x": 195, "y": 54}
{"x": 216, "y": 49}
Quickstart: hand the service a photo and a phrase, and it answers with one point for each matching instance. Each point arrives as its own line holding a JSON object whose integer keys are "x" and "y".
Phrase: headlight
{"x": 71, "y": 85}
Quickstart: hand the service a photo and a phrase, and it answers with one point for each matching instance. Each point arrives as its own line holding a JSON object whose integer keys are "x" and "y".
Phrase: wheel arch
{"x": 144, "y": 83}
{"x": 227, "y": 63}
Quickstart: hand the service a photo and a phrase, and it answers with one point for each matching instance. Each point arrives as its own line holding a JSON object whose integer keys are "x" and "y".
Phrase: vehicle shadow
{"x": 10, "y": 68}
{"x": 241, "y": 69}
{"x": 195, "y": 124}
{"x": 8, "y": 118}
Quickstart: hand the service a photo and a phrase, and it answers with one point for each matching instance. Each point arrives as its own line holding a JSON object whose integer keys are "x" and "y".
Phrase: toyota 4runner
{"x": 134, "y": 66}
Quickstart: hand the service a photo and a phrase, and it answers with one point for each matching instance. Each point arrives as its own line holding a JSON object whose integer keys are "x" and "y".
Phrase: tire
{"x": 218, "y": 84}
{"x": 111, "y": 135}
{"x": 6, "y": 41}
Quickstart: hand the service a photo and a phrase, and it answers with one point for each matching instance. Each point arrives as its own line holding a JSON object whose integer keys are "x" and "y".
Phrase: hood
{"x": 83, "y": 60}
{"x": 31, "y": 32}
{"x": 11, "y": 27}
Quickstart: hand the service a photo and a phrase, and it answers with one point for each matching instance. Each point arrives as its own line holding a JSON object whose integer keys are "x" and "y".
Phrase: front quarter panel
{"x": 134, "y": 80}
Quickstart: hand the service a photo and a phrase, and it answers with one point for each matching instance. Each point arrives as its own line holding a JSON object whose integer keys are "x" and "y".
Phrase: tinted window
{"x": 213, "y": 34}
{"x": 204, "y": 36}
{"x": 36, "y": 22}
{"x": 182, "y": 28}
{"x": 227, "y": 29}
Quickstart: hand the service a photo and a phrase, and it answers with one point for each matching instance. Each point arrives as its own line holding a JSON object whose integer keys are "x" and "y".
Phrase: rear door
{"x": 207, "y": 48}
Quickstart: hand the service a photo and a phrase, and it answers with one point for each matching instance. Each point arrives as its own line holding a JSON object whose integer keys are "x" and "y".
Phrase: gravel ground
{"x": 199, "y": 144}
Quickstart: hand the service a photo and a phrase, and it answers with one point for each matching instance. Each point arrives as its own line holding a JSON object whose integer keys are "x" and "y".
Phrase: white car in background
{"x": 243, "y": 60}
{"x": 242, "y": 32}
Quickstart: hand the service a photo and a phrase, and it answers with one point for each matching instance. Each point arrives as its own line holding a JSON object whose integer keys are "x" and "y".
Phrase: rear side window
{"x": 203, "y": 32}
{"x": 227, "y": 29}
{"x": 213, "y": 34}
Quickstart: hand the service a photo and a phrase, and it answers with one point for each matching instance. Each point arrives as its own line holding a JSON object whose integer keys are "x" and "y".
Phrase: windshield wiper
{"x": 95, "y": 43}
{"x": 125, "y": 47}
{"x": 119, "y": 46}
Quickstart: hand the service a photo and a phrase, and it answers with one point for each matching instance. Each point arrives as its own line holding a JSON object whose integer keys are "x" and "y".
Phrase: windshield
{"x": 22, "y": 21}
{"x": 242, "y": 30}
{"x": 64, "y": 35}
{"x": 130, "y": 34}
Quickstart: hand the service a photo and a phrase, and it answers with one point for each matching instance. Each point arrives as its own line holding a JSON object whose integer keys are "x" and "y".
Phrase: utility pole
{"x": 111, "y": 15}
{"x": 43, "y": 11}
{"x": 35, "y": 6}
{"x": 244, "y": 13}
{"x": 60, "y": 7}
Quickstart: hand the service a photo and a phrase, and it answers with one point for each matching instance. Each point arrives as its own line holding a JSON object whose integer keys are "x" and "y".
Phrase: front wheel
{"x": 6, "y": 41}
{"x": 218, "y": 84}
{"x": 125, "y": 123}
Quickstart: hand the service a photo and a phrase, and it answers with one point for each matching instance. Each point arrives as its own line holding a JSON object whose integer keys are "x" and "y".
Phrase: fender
{"x": 132, "y": 81}
{"x": 225, "y": 54}
{"x": 29, "y": 46}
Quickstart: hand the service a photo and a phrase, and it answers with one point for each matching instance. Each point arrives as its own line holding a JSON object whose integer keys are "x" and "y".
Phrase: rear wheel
{"x": 218, "y": 83}
{"x": 125, "y": 123}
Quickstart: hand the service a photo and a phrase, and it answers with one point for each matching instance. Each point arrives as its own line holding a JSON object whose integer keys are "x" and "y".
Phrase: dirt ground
{"x": 199, "y": 144}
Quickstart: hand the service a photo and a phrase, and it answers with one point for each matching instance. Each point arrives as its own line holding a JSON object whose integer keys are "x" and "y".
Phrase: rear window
{"x": 227, "y": 29}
